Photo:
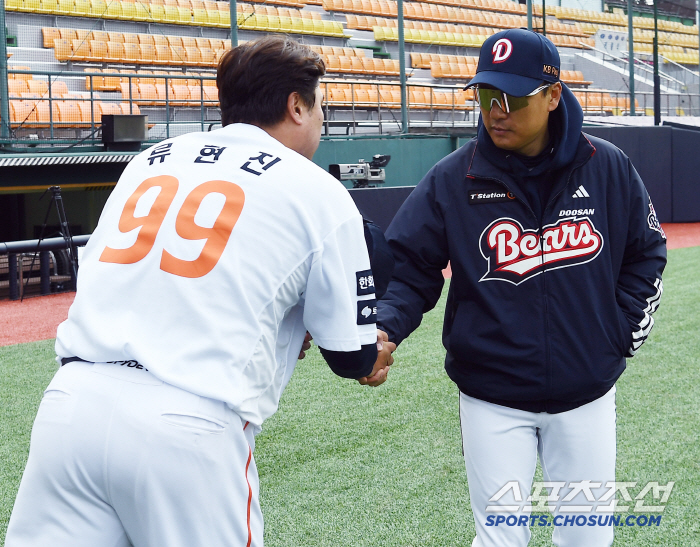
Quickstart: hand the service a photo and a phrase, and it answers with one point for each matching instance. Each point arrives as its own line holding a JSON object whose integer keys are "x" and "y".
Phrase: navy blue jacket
{"x": 542, "y": 308}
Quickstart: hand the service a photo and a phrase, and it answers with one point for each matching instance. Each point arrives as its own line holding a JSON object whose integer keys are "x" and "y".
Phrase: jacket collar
{"x": 571, "y": 150}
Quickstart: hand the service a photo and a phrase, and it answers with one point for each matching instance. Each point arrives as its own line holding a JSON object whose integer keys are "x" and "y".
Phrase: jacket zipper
{"x": 548, "y": 341}
{"x": 548, "y": 337}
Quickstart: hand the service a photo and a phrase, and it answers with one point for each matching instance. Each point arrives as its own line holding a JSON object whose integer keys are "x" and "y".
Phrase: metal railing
{"x": 181, "y": 103}
{"x": 19, "y": 258}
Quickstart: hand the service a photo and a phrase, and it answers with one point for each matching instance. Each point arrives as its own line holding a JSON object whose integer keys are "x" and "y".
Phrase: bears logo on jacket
{"x": 515, "y": 255}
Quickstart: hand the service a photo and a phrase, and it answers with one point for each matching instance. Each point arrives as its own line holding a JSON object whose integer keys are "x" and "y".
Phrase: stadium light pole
{"x": 234, "y": 23}
{"x": 4, "y": 102}
{"x": 402, "y": 70}
{"x": 657, "y": 81}
{"x": 630, "y": 39}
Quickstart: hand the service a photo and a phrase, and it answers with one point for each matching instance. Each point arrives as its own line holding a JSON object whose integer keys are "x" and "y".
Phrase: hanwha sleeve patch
{"x": 367, "y": 312}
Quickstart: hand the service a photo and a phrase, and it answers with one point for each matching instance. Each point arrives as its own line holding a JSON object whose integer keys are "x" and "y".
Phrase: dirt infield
{"x": 37, "y": 318}
{"x": 33, "y": 319}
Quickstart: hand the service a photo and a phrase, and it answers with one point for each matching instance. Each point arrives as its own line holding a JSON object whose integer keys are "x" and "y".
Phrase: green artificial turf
{"x": 349, "y": 465}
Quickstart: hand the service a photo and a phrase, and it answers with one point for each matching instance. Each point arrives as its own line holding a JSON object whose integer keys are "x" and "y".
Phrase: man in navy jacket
{"x": 556, "y": 256}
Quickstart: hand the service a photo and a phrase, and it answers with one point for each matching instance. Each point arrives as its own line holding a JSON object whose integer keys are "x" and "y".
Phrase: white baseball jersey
{"x": 213, "y": 255}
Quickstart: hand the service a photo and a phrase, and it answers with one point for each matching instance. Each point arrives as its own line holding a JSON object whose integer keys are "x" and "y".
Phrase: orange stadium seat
{"x": 45, "y": 115}
{"x": 22, "y": 113}
{"x": 41, "y": 87}
{"x": 49, "y": 34}
{"x": 179, "y": 57}
{"x": 115, "y": 52}
{"x": 181, "y": 95}
{"x": 81, "y": 50}
{"x": 147, "y": 53}
{"x": 15, "y": 87}
{"x": 208, "y": 57}
{"x": 98, "y": 51}
{"x": 147, "y": 94}
{"x": 69, "y": 113}
{"x": 132, "y": 52}
{"x": 163, "y": 54}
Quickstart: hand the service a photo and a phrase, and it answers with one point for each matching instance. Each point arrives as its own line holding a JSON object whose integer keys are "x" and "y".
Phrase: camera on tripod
{"x": 362, "y": 174}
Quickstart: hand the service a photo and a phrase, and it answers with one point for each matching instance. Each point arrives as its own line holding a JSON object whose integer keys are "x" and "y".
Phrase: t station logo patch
{"x": 516, "y": 255}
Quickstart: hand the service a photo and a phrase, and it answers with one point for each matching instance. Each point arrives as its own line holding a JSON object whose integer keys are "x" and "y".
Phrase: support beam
{"x": 529, "y": 14}
{"x": 234, "y": 23}
{"x": 402, "y": 71}
{"x": 630, "y": 57}
{"x": 657, "y": 80}
{"x": 4, "y": 102}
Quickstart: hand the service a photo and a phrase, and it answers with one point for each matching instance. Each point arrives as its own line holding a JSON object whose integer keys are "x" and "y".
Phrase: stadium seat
{"x": 100, "y": 35}
{"x": 41, "y": 87}
{"x": 94, "y": 82}
{"x": 207, "y": 57}
{"x": 147, "y": 94}
{"x": 81, "y": 50}
{"x": 104, "y": 108}
{"x": 15, "y": 87}
{"x": 142, "y": 12}
{"x": 98, "y": 8}
{"x": 48, "y": 6}
{"x": 68, "y": 34}
{"x": 32, "y": 6}
{"x": 130, "y": 92}
{"x": 49, "y": 34}
{"x": 192, "y": 56}
{"x": 181, "y": 95}
{"x": 132, "y": 53}
{"x": 157, "y": 13}
{"x": 115, "y": 52}
{"x": 46, "y": 115}
{"x": 178, "y": 55}
{"x": 68, "y": 113}
{"x": 128, "y": 11}
{"x": 147, "y": 53}
{"x": 163, "y": 54}
{"x": 22, "y": 113}
{"x": 211, "y": 95}
{"x": 66, "y": 7}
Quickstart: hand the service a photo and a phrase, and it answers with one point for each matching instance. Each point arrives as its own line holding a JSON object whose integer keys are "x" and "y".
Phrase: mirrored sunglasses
{"x": 507, "y": 103}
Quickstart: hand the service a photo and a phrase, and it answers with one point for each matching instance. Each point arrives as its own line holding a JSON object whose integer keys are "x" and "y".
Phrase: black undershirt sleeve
{"x": 351, "y": 364}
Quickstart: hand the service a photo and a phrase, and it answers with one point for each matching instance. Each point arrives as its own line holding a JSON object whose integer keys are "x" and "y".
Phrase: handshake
{"x": 381, "y": 366}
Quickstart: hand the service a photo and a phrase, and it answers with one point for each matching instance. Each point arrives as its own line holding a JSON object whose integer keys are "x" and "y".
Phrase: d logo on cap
{"x": 502, "y": 50}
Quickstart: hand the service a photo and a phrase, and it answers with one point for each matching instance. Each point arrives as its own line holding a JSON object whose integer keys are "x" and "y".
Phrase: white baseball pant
{"x": 501, "y": 445}
{"x": 120, "y": 459}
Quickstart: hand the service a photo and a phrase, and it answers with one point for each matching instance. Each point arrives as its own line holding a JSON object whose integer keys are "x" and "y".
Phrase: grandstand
{"x": 73, "y": 61}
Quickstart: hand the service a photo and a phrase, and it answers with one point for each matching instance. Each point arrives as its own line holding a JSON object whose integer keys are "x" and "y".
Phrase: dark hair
{"x": 255, "y": 79}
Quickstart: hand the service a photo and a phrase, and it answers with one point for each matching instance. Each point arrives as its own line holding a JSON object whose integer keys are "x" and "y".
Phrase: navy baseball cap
{"x": 517, "y": 61}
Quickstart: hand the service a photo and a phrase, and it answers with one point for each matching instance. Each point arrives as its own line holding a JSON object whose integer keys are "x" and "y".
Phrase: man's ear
{"x": 295, "y": 107}
{"x": 555, "y": 97}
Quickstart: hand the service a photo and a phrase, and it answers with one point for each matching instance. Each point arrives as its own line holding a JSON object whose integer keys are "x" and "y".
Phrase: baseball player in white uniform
{"x": 213, "y": 257}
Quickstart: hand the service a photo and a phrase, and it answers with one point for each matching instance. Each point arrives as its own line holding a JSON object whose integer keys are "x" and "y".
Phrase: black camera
{"x": 362, "y": 174}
